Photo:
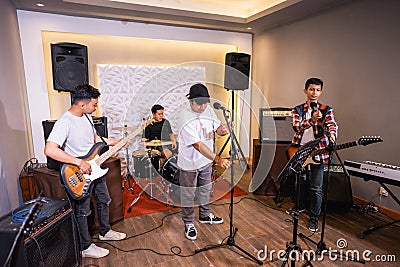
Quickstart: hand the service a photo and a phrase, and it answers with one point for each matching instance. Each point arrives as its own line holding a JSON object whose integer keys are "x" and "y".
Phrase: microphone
{"x": 217, "y": 105}
{"x": 314, "y": 107}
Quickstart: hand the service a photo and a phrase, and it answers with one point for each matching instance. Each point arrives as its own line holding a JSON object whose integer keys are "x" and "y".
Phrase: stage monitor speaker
{"x": 69, "y": 65}
{"x": 51, "y": 241}
{"x": 100, "y": 124}
{"x": 237, "y": 69}
{"x": 283, "y": 131}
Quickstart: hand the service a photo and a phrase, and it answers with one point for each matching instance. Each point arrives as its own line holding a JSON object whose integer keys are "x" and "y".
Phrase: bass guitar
{"x": 77, "y": 183}
{"x": 292, "y": 149}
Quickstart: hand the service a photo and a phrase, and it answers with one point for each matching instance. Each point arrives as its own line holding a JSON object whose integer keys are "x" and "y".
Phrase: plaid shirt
{"x": 323, "y": 128}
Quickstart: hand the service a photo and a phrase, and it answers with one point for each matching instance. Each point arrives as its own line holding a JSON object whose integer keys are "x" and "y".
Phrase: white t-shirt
{"x": 195, "y": 127}
{"x": 308, "y": 134}
{"x": 74, "y": 134}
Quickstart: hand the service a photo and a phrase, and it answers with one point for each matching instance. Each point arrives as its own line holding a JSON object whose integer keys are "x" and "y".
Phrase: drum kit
{"x": 146, "y": 165}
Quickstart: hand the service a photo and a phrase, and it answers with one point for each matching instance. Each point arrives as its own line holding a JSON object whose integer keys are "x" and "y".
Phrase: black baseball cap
{"x": 199, "y": 93}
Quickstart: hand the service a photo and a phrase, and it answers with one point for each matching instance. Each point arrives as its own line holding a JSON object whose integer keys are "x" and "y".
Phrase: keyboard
{"x": 375, "y": 171}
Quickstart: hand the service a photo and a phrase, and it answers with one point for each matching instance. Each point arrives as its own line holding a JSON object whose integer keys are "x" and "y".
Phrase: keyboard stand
{"x": 375, "y": 228}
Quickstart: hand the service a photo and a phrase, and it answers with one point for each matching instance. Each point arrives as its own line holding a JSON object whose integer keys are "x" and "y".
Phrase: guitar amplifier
{"x": 52, "y": 240}
{"x": 340, "y": 195}
{"x": 275, "y": 125}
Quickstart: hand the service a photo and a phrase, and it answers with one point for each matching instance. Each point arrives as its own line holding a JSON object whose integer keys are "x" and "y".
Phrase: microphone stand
{"x": 229, "y": 137}
{"x": 232, "y": 232}
{"x": 24, "y": 228}
{"x": 321, "y": 245}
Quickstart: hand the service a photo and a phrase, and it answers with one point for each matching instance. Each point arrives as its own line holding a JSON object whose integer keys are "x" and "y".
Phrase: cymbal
{"x": 125, "y": 128}
{"x": 158, "y": 143}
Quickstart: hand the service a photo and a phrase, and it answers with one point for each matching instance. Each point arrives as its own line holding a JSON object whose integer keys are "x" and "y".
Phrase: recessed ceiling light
{"x": 40, "y": 4}
{"x": 249, "y": 28}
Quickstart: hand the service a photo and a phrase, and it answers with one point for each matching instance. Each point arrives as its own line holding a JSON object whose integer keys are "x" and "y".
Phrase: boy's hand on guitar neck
{"x": 126, "y": 142}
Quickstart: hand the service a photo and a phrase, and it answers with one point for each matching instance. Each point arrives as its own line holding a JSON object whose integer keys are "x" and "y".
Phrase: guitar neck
{"x": 338, "y": 147}
{"x": 117, "y": 147}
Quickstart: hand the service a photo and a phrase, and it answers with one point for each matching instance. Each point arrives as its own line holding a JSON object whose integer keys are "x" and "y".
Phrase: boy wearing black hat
{"x": 198, "y": 123}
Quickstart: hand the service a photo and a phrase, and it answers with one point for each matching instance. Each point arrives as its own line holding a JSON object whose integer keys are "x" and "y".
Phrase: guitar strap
{"x": 94, "y": 128}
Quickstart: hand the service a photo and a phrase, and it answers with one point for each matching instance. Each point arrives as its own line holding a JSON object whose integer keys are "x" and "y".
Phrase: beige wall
{"x": 129, "y": 51}
{"x": 355, "y": 50}
{"x": 15, "y": 143}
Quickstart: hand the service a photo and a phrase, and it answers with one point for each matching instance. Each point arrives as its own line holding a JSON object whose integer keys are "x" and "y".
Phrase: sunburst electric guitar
{"x": 77, "y": 183}
{"x": 291, "y": 150}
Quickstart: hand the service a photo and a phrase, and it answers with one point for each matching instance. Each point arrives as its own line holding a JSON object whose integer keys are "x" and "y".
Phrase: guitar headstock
{"x": 146, "y": 123}
{"x": 367, "y": 140}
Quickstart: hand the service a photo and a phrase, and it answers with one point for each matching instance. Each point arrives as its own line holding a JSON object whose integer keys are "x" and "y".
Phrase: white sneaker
{"x": 190, "y": 231}
{"x": 94, "y": 251}
{"x": 112, "y": 235}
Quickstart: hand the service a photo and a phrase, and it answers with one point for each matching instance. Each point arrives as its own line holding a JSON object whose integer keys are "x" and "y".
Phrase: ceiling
{"x": 231, "y": 15}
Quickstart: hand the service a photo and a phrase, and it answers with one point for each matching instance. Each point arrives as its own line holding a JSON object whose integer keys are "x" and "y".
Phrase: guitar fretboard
{"x": 117, "y": 147}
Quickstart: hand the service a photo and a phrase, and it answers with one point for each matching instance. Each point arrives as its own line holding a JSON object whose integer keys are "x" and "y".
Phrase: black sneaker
{"x": 313, "y": 225}
{"x": 211, "y": 218}
{"x": 190, "y": 231}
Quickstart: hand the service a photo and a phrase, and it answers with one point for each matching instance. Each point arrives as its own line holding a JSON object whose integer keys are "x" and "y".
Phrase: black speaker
{"x": 52, "y": 240}
{"x": 237, "y": 69}
{"x": 340, "y": 195}
{"x": 100, "y": 124}
{"x": 283, "y": 131}
{"x": 47, "y": 127}
{"x": 264, "y": 178}
{"x": 69, "y": 65}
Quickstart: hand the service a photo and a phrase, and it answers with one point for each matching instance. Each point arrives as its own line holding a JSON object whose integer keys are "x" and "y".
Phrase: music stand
{"x": 321, "y": 245}
{"x": 295, "y": 166}
{"x": 232, "y": 232}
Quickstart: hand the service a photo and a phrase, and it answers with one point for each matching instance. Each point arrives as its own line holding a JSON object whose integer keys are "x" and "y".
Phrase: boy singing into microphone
{"x": 312, "y": 120}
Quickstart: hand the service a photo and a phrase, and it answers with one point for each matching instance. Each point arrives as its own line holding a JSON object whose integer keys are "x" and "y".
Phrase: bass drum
{"x": 170, "y": 170}
{"x": 141, "y": 162}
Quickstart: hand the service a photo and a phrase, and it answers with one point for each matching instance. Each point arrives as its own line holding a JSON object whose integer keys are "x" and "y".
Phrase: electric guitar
{"x": 78, "y": 183}
{"x": 292, "y": 149}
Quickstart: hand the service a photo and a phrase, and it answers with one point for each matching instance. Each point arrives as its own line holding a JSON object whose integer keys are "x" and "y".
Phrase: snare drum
{"x": 141, "y": 162}
{"x": 170, "y": 169}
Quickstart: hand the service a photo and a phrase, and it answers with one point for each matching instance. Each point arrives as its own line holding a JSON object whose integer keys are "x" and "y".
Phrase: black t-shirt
{"x": 158, "y": 131}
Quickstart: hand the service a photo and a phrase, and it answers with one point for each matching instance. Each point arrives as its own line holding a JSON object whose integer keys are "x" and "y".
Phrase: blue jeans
{"x": 316, "y": 183}
{"x": 82, "y": 210}
{"x": 190, "y": 181}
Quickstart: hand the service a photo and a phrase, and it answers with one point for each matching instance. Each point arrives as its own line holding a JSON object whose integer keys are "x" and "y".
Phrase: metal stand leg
{"x": 151, "y": 184}
{"x": 128, "y": 176}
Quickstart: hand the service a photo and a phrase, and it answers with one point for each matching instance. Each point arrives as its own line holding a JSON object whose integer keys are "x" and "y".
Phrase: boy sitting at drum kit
{"x": 158, "y": 135}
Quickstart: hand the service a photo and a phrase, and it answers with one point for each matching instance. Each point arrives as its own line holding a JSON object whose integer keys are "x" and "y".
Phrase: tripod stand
{"x": 321, "y": 245}
{"x": 150, "y": 184}
{"x": 232, "y": 232}
{"x": 293, "y": 246}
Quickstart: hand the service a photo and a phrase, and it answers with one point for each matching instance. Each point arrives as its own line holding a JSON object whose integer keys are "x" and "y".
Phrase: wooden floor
{"x": 154, "y": 239}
